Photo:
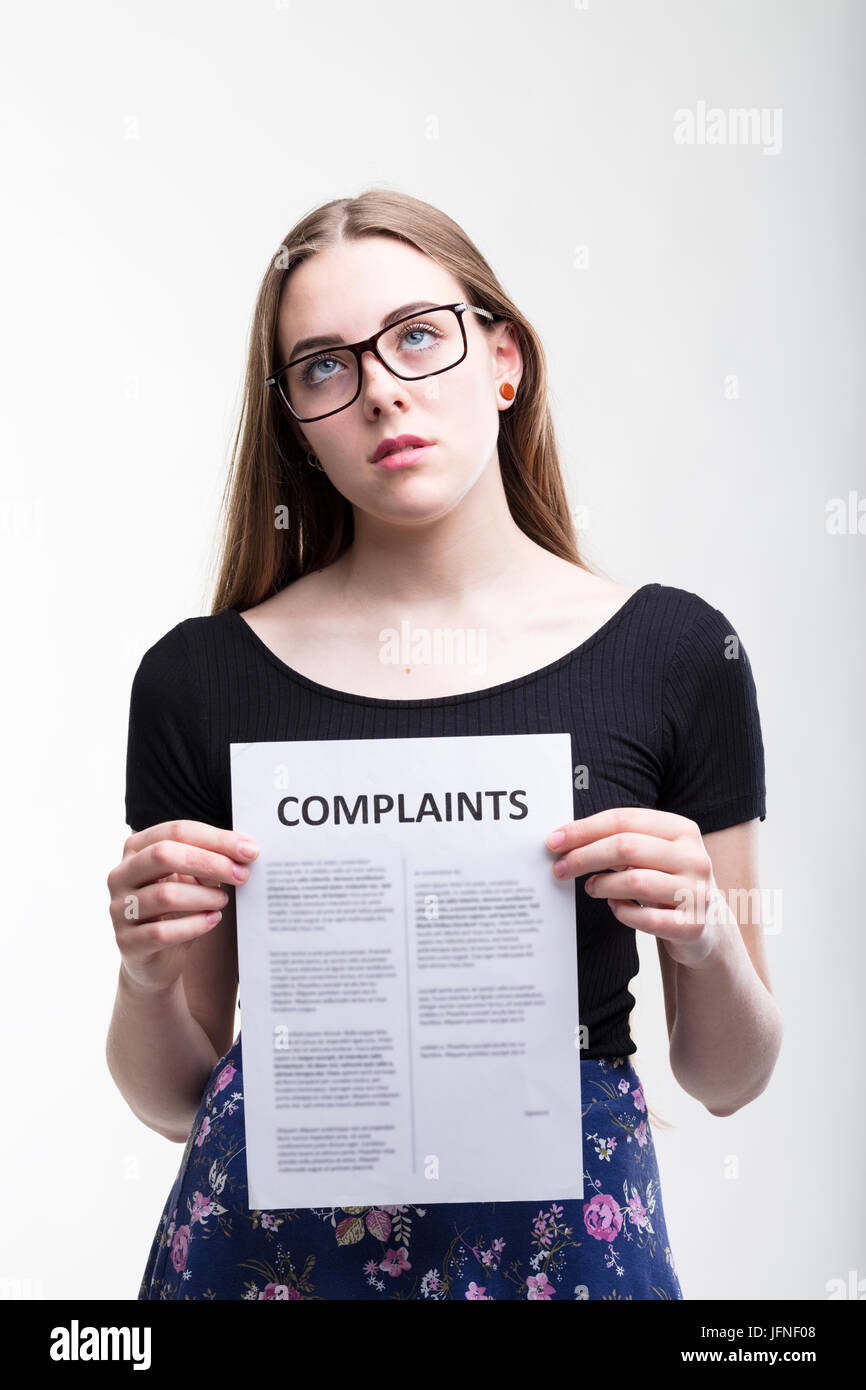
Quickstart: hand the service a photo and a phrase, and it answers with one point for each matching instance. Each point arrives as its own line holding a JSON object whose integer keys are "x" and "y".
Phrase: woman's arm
{"x": 700, "y": 897}
{"x": 159, "y": 1055}
{"x": 173, "y": 1013}
{"x": 724, "y": 1024}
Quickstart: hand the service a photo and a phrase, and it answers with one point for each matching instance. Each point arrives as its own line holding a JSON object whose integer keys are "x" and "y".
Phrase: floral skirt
{"x": 612, "y": 1244}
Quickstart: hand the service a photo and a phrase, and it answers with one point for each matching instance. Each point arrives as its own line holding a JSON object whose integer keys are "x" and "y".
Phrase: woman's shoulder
{"x": 178, "y": 664}
{"x": 674, "y": 628}
{"x": 691, "y": 615}
{"x": 682, "y": 603}
{"x": 683, "y": 610}
{"x": 186, "y": 635}
{"x": 198, "y": 643}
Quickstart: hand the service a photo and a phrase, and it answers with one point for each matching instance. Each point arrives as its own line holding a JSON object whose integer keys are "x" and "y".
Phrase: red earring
{"x": 507, "y": 390}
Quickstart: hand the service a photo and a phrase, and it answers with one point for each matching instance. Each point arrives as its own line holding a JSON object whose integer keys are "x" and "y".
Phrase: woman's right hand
{"x": 163, "y": 890}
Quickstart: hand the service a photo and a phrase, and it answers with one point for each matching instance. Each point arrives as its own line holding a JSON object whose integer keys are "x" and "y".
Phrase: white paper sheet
{"x": 408, "y": 981}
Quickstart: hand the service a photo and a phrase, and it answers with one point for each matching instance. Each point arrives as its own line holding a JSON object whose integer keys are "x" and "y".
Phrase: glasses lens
{"x": 429, "y": 343}
{"x": 317, "y": 385}
{"x": 432, "y": 342}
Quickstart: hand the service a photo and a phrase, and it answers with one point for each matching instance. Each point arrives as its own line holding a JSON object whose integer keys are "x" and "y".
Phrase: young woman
{"x": 379, "y": 320}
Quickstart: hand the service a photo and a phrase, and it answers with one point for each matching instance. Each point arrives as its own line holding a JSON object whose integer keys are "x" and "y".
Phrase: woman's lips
{"x": 404, "y": 458}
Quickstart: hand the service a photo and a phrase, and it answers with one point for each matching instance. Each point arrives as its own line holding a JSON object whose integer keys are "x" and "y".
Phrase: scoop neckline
{"x": 440, "y": 701}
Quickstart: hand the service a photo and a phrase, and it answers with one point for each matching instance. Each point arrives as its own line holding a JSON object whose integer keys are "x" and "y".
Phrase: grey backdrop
{"x": 698, "y": 283}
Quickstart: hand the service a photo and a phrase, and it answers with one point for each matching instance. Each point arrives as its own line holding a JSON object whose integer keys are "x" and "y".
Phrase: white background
{"x": 155, "y": 156}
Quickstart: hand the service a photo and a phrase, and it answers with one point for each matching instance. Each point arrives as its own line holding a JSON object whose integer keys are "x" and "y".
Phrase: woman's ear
{"x": 506, "y": 354}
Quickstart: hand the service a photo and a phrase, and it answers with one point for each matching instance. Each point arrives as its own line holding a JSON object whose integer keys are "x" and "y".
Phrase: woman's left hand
{"x": 655, "y": 872}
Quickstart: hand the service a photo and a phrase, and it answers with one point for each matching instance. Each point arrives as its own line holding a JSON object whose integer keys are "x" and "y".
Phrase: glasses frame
{"x": 371, "y": 344}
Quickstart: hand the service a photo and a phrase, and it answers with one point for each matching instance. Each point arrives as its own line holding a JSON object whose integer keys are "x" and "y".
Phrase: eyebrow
{"x": 332, "y": 339}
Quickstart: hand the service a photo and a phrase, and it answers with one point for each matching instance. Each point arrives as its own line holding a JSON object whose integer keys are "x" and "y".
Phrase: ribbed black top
{"x": 660, "y": 704}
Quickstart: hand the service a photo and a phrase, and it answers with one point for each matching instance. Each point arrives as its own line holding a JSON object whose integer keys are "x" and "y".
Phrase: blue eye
{"x": 316, "y": 363}
{"x": 419, "y": 330}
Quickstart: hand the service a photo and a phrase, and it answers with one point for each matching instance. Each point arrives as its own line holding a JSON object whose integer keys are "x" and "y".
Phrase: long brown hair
{"x": 269, "y": 476}
{"x": 268, "y": 473}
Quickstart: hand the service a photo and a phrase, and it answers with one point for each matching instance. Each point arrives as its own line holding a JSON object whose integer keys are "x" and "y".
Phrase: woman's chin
{"x": 414, "y": 503}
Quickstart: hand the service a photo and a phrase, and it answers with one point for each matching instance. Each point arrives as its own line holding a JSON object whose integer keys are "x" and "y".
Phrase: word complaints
{"x": 319, "y": 810}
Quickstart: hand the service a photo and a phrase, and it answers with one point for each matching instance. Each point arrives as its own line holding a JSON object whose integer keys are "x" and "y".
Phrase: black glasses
{"x": 425, "y": 344}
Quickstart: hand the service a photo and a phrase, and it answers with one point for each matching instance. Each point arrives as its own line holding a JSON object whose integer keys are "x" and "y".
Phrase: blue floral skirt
{"x": 613, "y": 1244}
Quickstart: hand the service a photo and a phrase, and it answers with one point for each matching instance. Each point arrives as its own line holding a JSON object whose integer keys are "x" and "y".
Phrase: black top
{"x": 660, "y": 703}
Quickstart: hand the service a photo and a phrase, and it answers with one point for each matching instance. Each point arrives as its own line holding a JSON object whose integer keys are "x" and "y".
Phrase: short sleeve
{"x": 166, "y": 757}
{"x": 713, "y": 749}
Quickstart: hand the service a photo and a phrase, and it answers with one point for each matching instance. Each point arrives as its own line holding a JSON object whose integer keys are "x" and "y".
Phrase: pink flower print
{"x": 539, "y": 1287}
{"x": 269, "y": 1221}
{"x": 370, "y": 1267}
{"x": 637, "y": 1209}
{"x": 638, "y": 1096}
{"x": 602, "y": 1217}
{"x": 540, "y": 1227}
{"x": 224, "y": 1078}
{"x": 204, "y": 1131}
{"x": 201, "y": 1206}
{"x": 280, "y": 1291}
{"x": 477, "y": 1293}
{"x": 640, "y": 1133}
{"x": 555, "y": 1210}
{"x": 499, "y": 1246}
{"x": 623, "y": 1085}
{"x": 487, "y": 1257}
{"x": 179, "y": 1248}
{"x": 395, "y": 1261}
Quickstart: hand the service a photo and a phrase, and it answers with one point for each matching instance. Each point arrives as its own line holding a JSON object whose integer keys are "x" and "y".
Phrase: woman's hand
{"x": 655, "y": 872}
{"x": 166, "y": 891}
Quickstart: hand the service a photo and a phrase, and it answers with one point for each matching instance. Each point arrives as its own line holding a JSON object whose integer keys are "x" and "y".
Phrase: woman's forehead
{"x": 358, "y": 283}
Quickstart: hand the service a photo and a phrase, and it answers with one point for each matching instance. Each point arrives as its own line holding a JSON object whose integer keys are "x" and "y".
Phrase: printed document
{"x": 408, "y": 972}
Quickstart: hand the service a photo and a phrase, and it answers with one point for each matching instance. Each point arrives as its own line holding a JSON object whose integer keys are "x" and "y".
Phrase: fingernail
{"x": 560, "y": 867}
{"x": 239, "y": 873}
{"x": 247, "y": 849}
{"x": 555, "y": 838}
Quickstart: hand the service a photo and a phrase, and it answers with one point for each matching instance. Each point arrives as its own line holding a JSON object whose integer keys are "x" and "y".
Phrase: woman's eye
{"x": 319, "y": 362}
{"x": 416, "y": 333}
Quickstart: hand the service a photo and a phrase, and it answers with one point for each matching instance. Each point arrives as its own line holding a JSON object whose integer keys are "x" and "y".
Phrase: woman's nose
{"x": 376, "y": 378}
